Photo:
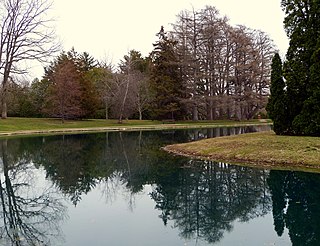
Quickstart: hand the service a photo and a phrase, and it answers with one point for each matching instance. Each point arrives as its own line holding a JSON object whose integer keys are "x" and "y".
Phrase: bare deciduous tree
{"x": 226, "y": 69}
{"x": 132, "y": 88}
{"x": 143, "y": 96}
{"x": 26, "y": 35}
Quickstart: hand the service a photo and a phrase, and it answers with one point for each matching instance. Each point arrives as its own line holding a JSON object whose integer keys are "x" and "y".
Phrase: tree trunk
{"x": 4, "y": 97}
{"x": 107, "y": 107}
{"x": 195, "y": 113}
{"x": 123, "y": 102}
{"x": 140, "y": 113}
{"x": 209, "y": 111}
{"x": 238, "y": 110}
{"x": 4, "y": 109}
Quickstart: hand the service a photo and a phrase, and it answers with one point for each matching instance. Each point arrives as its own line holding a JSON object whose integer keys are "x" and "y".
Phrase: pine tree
{"x": 277, "y": 101}
{"x": 166, "y": 81}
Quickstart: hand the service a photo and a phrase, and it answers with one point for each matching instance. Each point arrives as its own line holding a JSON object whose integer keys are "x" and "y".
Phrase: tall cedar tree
{"x": 276, "y": 106}
{"x": 308, "y": 121}
{"x": 302, "y": 24}
{"x": 166, "y": 81}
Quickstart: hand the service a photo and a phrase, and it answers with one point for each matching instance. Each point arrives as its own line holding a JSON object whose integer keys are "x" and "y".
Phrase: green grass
{"x": 30, "y": 124}
{"x": 258, "y": 149}
{"x": 40, "y": 125}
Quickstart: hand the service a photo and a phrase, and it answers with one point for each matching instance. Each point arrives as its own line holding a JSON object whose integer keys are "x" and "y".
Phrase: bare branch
{"x": 26, "y": 35}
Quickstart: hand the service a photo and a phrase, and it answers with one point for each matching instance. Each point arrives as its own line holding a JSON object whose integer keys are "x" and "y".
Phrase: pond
{"x": 120, "y": 188}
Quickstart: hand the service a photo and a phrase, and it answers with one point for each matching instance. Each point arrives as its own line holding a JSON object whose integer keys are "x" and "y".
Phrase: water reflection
{"x": 204, "y": 201}
{"x": 29, "y": 216}
{"x": 295, "y": 198}
{"x": 201, "y": 199}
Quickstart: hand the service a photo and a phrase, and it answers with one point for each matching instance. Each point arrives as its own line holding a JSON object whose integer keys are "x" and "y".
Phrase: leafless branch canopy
{"x": 26, "y": 33}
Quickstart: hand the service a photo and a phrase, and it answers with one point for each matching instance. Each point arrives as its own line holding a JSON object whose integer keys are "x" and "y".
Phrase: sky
{"x": 108, "y": 30}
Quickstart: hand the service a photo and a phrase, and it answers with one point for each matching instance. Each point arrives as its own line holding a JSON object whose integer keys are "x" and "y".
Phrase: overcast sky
{"x": 109, "y": 29}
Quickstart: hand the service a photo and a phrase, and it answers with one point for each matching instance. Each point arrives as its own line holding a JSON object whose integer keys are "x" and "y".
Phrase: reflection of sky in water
{"x": 126, "y": 221}
{"x": 258, "y": 231}
{"x": 134, "y": 221}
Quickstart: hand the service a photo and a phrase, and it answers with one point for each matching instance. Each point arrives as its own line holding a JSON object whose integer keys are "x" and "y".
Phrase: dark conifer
{"x": 302, "y": 24}
{"x": 277, "y": 108}
{"x": 166, "y": 82}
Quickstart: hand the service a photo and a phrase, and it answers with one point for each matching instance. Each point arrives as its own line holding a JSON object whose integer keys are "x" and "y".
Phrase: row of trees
{"x": 75, "y": 85}
{"x": 202, "y": 69}
{"x": 295, "y": 91}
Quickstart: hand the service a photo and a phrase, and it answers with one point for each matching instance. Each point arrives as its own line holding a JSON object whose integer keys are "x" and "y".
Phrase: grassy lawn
{"x": 258, "y": 149}
{"x": 30, "y": 124}
{"x": 36, "y": 125}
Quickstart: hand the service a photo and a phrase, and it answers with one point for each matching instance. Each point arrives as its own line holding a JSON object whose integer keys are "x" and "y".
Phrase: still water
{"x": 119, "y": 188}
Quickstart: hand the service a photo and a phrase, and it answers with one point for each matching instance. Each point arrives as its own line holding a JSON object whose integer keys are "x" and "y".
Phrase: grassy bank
{"x": 258, "y": 149}
{"x": 23, "y": 126}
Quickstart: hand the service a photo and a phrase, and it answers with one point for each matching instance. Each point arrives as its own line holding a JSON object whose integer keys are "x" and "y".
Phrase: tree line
{"x": 203, "y": 68}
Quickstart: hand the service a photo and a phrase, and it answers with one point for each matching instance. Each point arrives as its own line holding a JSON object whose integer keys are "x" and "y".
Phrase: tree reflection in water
{"x": 202, "y": 199}
{"x": 296, "y": 199}
{"x": 29, "y": 216}
{"x": 205, "y": 200}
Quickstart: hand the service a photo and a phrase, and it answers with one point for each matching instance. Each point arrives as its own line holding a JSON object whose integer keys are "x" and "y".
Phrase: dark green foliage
{"x": 19, "y": 101}
{"x": 89, "y": 96}
{"x": 39, "y": 93}
{"x": 276, "y": 106}
{"x": 308, "y": 121}
{"x": 166, "y": 81}
{"x": 133, "y": 62}
{"x": 301, "y": 69}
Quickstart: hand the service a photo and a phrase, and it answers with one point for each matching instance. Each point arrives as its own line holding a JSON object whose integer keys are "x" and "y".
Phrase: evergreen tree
{"x": 166, "y": 81}
{"x": 308, "y": 121}
{"x": 89, "y": 96}
{"x": 83, "y": 64}
{"x": 276, "y": 106}
{"x": 64, "y": 92}
{"x": 302, "y": 24}
{"x": 39, "y": 93}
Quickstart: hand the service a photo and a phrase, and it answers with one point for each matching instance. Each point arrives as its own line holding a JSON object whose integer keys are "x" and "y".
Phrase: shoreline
{"x": 124, "y": 128}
